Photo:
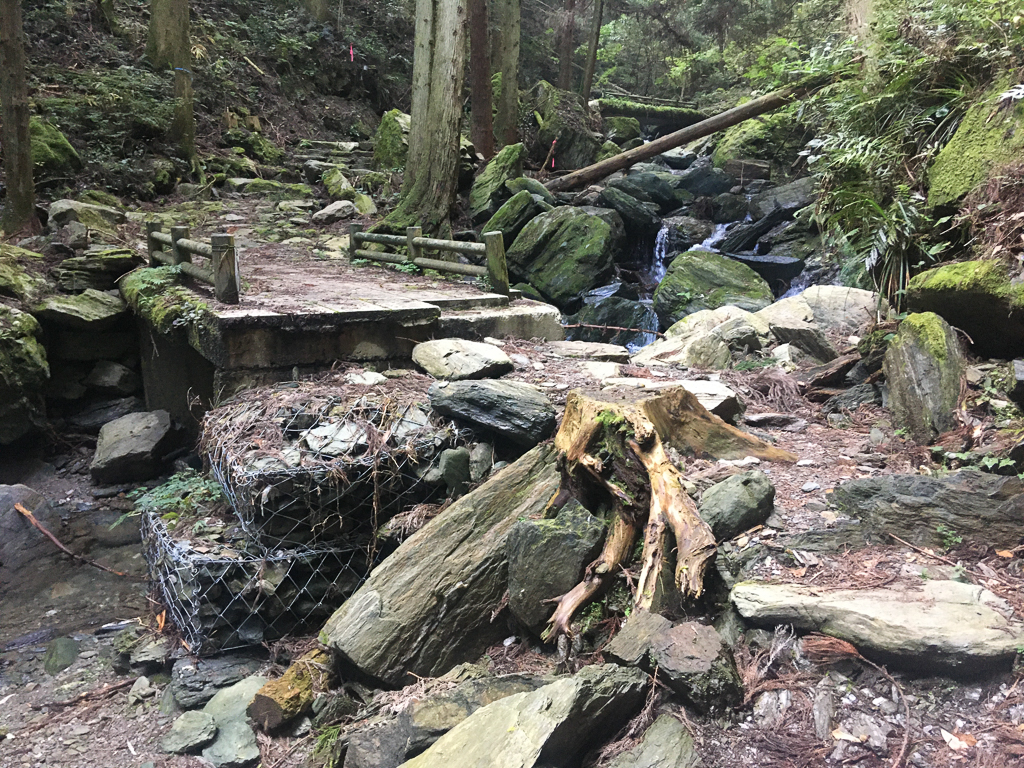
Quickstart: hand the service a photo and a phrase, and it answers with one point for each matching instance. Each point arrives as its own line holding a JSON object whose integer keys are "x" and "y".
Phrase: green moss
{"x": 391, "y": 143}
{"x": 489, "y": 189}
{"x": 762, "y": 138}
{"x": 51, "y": 151}
{"x": 608, "y": 149}
{"x": 278, "y": 190}
{"x": 621, "y": 129}
{"x": 930, "y": 332}
{"x": 698, "y": 280}
{"x": 638, "y": 109}
{"x": 255, "y": 145}
{"x": 99, "y": 197}
{"x": 376, "y": 182}
{"x": 981, "y": 276}
{"x": 990, "y": 136}
{"x": 337, "y": 185}
{"x": 157, "y": 295}
{"x": 20, "y": 274}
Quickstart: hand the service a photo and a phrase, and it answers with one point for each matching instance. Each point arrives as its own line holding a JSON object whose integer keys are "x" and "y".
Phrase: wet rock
{"x": 553, "y": 725}
{"x": 427, "y": 607}
{"x": 110, "y": 378}
{"x": 737, "y": 503}
{"x": 790, "y": 197}
{"x": 454, "y": 466}
{"x": 336, "y": 211}
{"x": 546, "y": 559}
{"x": 977, "y": 506}
{"x": 702, "y": 178}
{"x": 923, "y": 368}
{"x": 679, "y": 159}
{"x": 563, "y": 253}
{"x": 195, "y": 681}
{"x": 743, "y": 237}
{"x": 23, "y": 374}
{"x": 20, "y": 542}
{"x": 515, "y": 214}
{"x": 699, "y": 280}
{"x": 489, "y": 190}
{"x": 684, "y": 232}
{"x": 513, "y": 410}
{"x": 639, "y": 218}
{"x": 131, "y": 447}
{"x": 457, "y": 359}
{"x": 90, "y": 310}
{"x": 618, "y": 321}
{"x": 653, "y": 186}
{"x": 934, "y": 627}
{"x": 665, "y": 744}
{"x": 190, "y": 733}
{"x": 61, "y": 654}
{"x": 728, "y": 207}
{"x": 690, "y": 657}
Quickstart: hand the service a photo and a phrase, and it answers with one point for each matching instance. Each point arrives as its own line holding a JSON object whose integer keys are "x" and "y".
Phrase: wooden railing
{"x": 222, "y": 273}
{"x": 492, "y": 248}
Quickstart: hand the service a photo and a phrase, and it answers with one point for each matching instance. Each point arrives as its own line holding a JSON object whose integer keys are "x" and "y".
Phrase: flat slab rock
{"x": 934, "y": 627}
{"x": 513, "y": 410}
{"x": 457, "y": 359}
{"x": 591, "y": 350}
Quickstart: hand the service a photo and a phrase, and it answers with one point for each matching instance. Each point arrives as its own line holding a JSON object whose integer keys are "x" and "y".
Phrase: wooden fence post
{"x": 497, "y": 269}
{"x": 226, "y": 283}
{"x": 152, "y": 246}
{"x": 353, "y": 230}
{"x": 415, "y": 251}
{"x": 179, "y": 254}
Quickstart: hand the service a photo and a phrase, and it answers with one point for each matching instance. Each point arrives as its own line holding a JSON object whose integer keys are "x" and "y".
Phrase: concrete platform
{"x": 300, "y": 314}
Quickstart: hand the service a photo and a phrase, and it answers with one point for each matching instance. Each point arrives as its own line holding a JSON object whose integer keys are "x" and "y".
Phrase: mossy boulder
{"x": 699, "y": 280}
{"x": 23, "y": 374}
{"x": 164, "y": 175}
{"x": 337, "y": 185}
{"x": 977, "y": 297}
{"x": 563, "y": 254}
{"x": 99, "y": 217}
{"x": 96, "y": 269}
{"x": 51, "y": 151}
{"x": 640, "y": 219}
{"x": 608, "y": 149}
{"x": 532, "y": 186}
{"x": 990, "y": 136}
{"x": 561, "y": 116}
{"x": 776, "y": 137}
{"x": 278, "y": 190}
{"x": 391, "y": 143}
{"x": 100, "y": 197}
{"x": 621, "y": 129}
{"x": 256, "y": 146}
{"x": 90, "y": 310}
{"x": 489, "y": 190}
{"x": 515, "y": 214}
{"x": 21, "y": 274}
{"x": 158, "y": 296}
{"x": 923, "y": 366}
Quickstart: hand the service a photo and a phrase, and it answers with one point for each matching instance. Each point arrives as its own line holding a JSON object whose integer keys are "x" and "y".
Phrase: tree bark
{"x": 731, "y": 117}
{"x": 505, "y": 59}
{"x": 482, "y": 121}
{"x": 566, "y": 44}
{"x": 292, "y": 694}
{"x": 168, "y": 32}
{"x": 431, "y": 173}
{"x": 595, "y": 39}
{"x": 20, "y": 208}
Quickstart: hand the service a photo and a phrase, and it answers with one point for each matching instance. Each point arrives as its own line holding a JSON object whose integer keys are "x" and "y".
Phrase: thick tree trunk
{"x": 431, "y": 172}
{"x": 482, "y": 121}
{"x": 595, "y": 39}
{"x": 168, "y": 32}
{"x": 505, "y": 59}
{"x": 20, "y": 208}
{"x": 731, "y": 117}
{"x": 616, "y": 451}
{"x": 566, "y": 44}
{"x": 292, "y": 694}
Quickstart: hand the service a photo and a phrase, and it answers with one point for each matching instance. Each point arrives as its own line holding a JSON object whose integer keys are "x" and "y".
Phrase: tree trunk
{"x": 168, "y": 32}
{"x": 566, "y": 44}
{"x": 431, "y": 172}
{"x": 595, "y": 39}
{"x": 615, "y": 451}
{"x": 505, "y": 53}
{"x": 731, "y": 117}
{"x": 292, "y": 694}
{"x": 20, "y": 208}
{"x": 482, "y": 121}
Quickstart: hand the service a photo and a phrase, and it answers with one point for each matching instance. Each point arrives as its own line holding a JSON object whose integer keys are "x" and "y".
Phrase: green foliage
{"x": 950, "y": 538}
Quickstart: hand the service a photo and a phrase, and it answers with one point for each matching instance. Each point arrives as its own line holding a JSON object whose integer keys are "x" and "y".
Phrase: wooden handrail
{"x": 222, "y": 273}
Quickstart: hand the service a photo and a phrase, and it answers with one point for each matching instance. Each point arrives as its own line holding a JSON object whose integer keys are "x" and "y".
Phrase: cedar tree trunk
{"x": 19, "y": 211}
{"x": 505, "y": 53}
{"x": 482, "y": 124}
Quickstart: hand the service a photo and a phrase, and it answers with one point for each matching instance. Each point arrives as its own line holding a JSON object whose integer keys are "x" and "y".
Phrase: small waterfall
{"x": 713, "y": 239}
{"x": 658, "y": 267}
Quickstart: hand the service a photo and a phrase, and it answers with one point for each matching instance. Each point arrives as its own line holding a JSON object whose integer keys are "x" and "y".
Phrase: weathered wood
{"x": 179, "y": 253}
{"x": 291, "y": 695}
{"x": 731, "y": 117}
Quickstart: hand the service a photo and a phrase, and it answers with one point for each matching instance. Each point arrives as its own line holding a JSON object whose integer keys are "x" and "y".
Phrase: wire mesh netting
{"x": 310, "y": 472}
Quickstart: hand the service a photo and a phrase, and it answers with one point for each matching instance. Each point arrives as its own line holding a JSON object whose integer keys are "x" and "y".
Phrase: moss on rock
{"x": 769, "y": 137}
{"x": 621, "y": 129}
{"x": 561, "y": 116}
{"x": 278, "y": 190}
{"x": 337, "y": 185}
{"x": 489, "y": 190}
{"x": 158, "y": 296}
{"x": 699, "y": 280}
{"x": 391, "y": 143}
{"x": 990, "y": 136}
{"x": 21, "y": 274}
{"x": 23, "y": 373}
{"x": 51, "y": 151}
{"x": 608, "y": 149}
{"x": 255, "y": 145}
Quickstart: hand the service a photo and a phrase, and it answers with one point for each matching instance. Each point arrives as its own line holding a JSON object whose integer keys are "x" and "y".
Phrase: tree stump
{"x": 291, "y": 695}
{"x": 614, "y": 453}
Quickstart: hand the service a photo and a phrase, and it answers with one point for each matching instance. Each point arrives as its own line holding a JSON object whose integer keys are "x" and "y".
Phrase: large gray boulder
{"x": 637, "y": 319}
{"x": 978, "y": 506}
{"x": 489, "y": 190}
{"x": 699, "y": 280}
{"x": 666, "y": 744}
{"x": 923, "y": 367}
{"x": 98, "y": 269}
{"x": 790, "y": 197}
{"x": 93, "y": 216}
{"x": 20, "y": 543}
{"x": 553, "y": 725}
{"x": 512, "y": 410}
{"x": 515, "y": 214}
{"x": 564, "y": 253}
{"x": 546, "y": 559}
{"x": 690, "y": 658}
{"x": 131, "y": 447}
{"x": 23, "y": 374}
{"x": 931, "y": 627}
{"x": 457, "y": 359}
{"x": 737, "y": 503}
{"x": 428, "y": 606}
{"x": 842, "y": 309}
{"x": 640, "y": 218}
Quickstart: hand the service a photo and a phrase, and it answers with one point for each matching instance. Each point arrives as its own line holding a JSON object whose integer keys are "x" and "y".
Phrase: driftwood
{"x": 292, "y": 694}
{"x": 615, "y": 453}
{"x": 721, "y": 121}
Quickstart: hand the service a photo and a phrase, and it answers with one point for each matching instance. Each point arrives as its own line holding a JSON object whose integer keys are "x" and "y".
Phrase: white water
{"x": 658, "y": 266}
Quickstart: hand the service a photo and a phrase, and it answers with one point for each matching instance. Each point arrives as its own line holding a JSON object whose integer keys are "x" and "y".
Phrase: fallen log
{"x": 613, "y": 454}
{"x": 719, "y": 122}
{"x": 292, "y": 694}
